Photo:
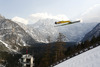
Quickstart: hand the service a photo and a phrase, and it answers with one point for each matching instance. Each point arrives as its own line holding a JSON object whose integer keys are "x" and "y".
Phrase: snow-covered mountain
{"x": 46, "y": 28}
{"x": 90, "y": 58}
{"x": 41, "y": 26}
{"x": 12, "y": 36}
{"x": 3, "y": 46}
{"x": 76, "y": 32}
{"x": 94, "y": 32}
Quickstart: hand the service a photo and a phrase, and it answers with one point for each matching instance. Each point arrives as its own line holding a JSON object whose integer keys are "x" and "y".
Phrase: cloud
{"x": 92, "y": 14}
{"x": 38, "y": 16}
{"x": 33, "y": 18}
{"x": 19, "y": 19}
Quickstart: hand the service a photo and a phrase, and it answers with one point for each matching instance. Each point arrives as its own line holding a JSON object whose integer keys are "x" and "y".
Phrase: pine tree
{"x": 86, "y": 43}
{"x": 59, "y": 47}
{"x": 98, "y": 38}
{"x": 93, "y": 40}
{"x": 46, "y": 60}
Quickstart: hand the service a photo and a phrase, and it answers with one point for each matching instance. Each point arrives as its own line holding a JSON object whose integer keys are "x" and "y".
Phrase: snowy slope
{"x": 8, "y": 46}
{"x": 74, "y": 32}
{"x": 90, "y": 58}
{"x": 13, "y": 36}
{"x": 43, "y": 29}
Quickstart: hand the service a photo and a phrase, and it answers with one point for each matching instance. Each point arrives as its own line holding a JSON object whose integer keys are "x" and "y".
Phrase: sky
{"x": 26, "y": 8}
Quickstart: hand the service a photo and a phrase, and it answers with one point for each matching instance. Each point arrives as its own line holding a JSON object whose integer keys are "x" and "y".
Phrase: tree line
{"x": 48, "y": 54}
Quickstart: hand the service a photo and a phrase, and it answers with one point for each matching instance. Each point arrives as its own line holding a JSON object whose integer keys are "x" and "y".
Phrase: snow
{"x": 19, "y": 19}
{"x": 44, "y": 28}
{"x": 8, "y": 46}
{"x": 73, "y": 32}
{"x": 90, "y": 58}
{"x": 4, "y": 43}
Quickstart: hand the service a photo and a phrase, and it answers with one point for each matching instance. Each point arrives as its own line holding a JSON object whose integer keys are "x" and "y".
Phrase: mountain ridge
{"x": 94, "y": 32}
{"x": 73, "y": 33}
{"x": 13, "y": 35}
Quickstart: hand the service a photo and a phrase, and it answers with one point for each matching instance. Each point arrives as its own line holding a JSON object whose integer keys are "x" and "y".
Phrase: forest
{"x": 47, "y": 54}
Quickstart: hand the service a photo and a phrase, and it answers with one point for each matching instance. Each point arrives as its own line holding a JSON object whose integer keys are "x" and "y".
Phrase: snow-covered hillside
{"x": 42, "y": 26}
{"x": 44, "y": 29}
{"x": 90, "y": 58}
{"x": 75, "y": 32}
{"x": 12, "y": 36}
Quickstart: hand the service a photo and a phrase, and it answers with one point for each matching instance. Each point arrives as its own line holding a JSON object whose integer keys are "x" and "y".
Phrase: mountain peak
{"x": 2, "y": 17}
{"x": 14, "y": 35}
